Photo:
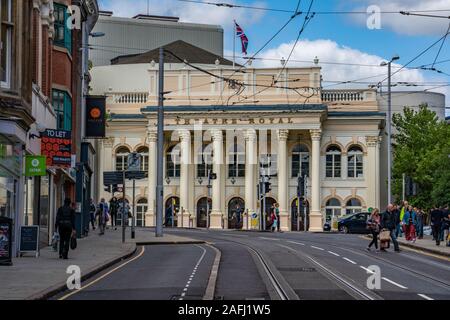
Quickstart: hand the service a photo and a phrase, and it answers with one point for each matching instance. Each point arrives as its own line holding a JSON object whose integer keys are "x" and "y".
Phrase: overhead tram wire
{"x": 442, "y": 45}
{"x": 405, "y": 13}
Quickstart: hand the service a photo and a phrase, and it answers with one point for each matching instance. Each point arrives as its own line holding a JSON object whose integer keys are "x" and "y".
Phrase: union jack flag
{"x": 244, "y": 40}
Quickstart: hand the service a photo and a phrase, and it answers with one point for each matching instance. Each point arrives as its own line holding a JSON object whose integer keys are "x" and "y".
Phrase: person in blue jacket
{"x": 410, "y": 222}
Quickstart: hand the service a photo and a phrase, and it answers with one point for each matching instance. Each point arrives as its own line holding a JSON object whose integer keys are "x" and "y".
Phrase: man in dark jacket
{"x": 437, "y": 218}
{"x": 389, "y": 221}
{"x": 65, "y": 225}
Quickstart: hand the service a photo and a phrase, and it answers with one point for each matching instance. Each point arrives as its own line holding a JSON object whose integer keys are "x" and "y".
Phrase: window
{"x": 62, "y": 105}
{"x": 300, "y": 161}
{"x": 236, "y": 162}
{"x": 143, "y": 151}
{"x": 353, "y": 206}
{"x": 333, "y": 168}
{"x": 173, "y": 167}
{"x": 141, "y": 209}
{"x": 268, "y": 165}
{"x": 122, "y": 158}
{"x": 204, "y": 161}
{"x": 355, "y": 162}
{"x": 6, "y": 29}
{"x": 63, "y": 35}
{"x": 332, "y": 209}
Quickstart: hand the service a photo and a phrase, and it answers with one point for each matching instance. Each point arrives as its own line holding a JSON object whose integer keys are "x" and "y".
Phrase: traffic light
{"x": 115, "y": 189}
{"x": 267, "y": 187}
{"x": 301, "y": 186}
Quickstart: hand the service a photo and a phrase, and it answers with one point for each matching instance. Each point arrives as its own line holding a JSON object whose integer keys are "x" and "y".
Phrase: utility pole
{"x": 160, "y": 152}
{"x": 123, "y": 208}
{"x": 133, "y": 216}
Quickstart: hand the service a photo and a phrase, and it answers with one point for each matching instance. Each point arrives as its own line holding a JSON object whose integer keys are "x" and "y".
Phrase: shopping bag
{"x": 73, "y": 242}
{"x": 385, "y": 235}
{"x": 55, "y": 240}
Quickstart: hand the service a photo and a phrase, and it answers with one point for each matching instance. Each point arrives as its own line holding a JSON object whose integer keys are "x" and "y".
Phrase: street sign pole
{"x": 123, "y": 207}
{"x": 133, "y": 216}
{"x": 160, "y": 151}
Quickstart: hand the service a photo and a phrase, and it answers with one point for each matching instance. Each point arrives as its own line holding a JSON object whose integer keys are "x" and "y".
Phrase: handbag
{"x": 385, "y": 235}
{"x": 73, "y": 242}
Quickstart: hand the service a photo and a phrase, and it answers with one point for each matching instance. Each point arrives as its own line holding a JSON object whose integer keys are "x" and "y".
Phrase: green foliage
{"x": 421, "y": 151}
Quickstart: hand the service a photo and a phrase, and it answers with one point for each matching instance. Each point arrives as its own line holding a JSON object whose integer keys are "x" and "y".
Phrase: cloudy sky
{"x": 341, "y": 38}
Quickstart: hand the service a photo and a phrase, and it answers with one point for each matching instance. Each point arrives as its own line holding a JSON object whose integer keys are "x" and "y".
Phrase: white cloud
{"x": 187, "y": 12}
{"x": 408, "y": 25}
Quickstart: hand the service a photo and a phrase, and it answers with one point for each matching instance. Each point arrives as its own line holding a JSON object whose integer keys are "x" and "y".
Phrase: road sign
{"x": 134, "y": 162}
{"x": 136, "y": 175}
{"x": 112, "y": 178}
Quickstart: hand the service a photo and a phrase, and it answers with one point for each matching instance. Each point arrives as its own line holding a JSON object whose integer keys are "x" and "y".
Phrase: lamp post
{"x": 389, "y": 124}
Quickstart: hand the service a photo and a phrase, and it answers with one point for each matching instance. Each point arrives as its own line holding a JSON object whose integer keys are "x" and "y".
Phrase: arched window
{"x": 141, "y": 209}
{"x": 334, "y": 161}
{"x": 173, "y": 166}
{"x": 143, "y": 151}
{"x": 353, "y": 206}
{"x": 332, "y": 209}
{"x": 122, "y": 158}
{"x": 236, "y": 161}
{"x": 204, "y": 161}
{"x": 300, "y": 161}
{"x": 355, "y": 162}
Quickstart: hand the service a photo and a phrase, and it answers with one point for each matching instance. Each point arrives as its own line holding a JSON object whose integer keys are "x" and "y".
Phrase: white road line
{"x": 183, "y": 294}
{"x": 394, "y": 283}
{"x": 347, "y": 259}
{"x": 318, "y": 248}
{"x": 368, "y": 270}
{"x": 425, "y": 297}
{"x": 334, "y": 254}
{"x": 272, "y": 239}
{"x": 299, "y": 243}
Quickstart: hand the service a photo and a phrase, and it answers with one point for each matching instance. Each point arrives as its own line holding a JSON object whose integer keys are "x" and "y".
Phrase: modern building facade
{"x": 129, "y": 36}
{"x": 284, "y": 129}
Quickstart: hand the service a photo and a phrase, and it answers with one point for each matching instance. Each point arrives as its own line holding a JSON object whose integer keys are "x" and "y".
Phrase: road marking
{"x": 212, "y": 281}
{"x": 425, "y": 297}
{"x": 299, "y": 243}
{"x": 367, "y": 269}
{"x": 193, "y": 272}
{"x": 334, "y": 254}
{"x": 394, "y": 283}
{"x": 103, "y": 276}
{"x": 347, "y": 259}
{"x": 273, "y": 239}
{"x": 318, "y": 248}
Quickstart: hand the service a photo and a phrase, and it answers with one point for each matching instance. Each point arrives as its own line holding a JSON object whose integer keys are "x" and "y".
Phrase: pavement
{"x": 427, "y": 245}
{"x": 40, "y": 278}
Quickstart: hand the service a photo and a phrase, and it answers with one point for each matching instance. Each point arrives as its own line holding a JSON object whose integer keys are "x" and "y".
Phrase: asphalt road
{"x": 262, "y": 266}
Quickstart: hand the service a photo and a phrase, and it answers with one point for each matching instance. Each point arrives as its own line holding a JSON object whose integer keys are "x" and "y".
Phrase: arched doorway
{"x": 270, "y": 202}
{"x": 298, "y": 221}
{"x": 171, "y": 209}
{"x": 202, "y": 208}
{"x": 234, "y": 218}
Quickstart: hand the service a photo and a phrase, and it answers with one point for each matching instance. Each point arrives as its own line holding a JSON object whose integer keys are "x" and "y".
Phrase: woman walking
{"x": 373, "y": 224}
{"x": 274, "y": 218}
{"x": 410, "y": 223}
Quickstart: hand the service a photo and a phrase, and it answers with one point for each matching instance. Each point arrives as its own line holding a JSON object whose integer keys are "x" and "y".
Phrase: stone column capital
{"x": 217, "y": 135}
{"x": 152, "y": 135}
{"x": 372, "y": 141}
{"x": 316, "y": 134}
{"x": 250, "y": 135}
{"x": 185, "y": 135}
{"x": 283, "y": 134}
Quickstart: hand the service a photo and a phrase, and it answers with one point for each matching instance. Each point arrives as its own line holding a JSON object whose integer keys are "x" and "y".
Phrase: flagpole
{"x": 234, "y": 43}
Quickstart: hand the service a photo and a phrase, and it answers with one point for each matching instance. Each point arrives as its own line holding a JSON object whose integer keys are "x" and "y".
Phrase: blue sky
{"x": 333, "y": 38}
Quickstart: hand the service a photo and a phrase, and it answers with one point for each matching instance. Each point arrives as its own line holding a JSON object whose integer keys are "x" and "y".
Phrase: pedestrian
{"x": 277, "y": 213}
{"x": 373, "y": 224}
{"x": 389, "y": 222}
{"x": 92, "y": 210}
{"x": 113, "y": 208}
{"x": 169, "y": 216}
{"x": 274, "y": 219}
{"x": 410, "y": 223}
{"x": 100, "y": 215}
{"x": 420, "y": 223}
{"x": 238, "y": 215}
{"x": 437, "y": 218}
{"x": 445, "y": 222}
{"x": 398, "y": 225}
{"x": 105, "y": 211}
{"x": 65, "y": 225}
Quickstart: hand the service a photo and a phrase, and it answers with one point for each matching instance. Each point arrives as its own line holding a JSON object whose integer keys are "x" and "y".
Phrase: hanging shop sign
{"x": 95, "y": 116}
{"x": 56, "y": 145}
{"x": 35, "y": 166}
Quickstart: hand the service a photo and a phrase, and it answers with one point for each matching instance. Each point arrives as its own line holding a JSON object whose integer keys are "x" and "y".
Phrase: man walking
{"x": 65, "y": 225}
{"x": 92, "y": 210}
{"x": 238, "y": 216}
{"x": 388, "y": 221}
{"x": 436, "y": 224}
{"x": 113, "y": 208}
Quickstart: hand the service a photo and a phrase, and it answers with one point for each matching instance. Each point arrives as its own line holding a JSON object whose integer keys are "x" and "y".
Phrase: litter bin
{"x": 5, "y": 241}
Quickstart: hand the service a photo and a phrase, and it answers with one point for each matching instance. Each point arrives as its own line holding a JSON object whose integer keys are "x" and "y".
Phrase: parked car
{"x": 327, "y": 226}
{"x": 353, "y": 223}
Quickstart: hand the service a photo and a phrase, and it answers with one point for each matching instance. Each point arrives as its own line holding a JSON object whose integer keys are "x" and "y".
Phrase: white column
{"x": 250, "y": 169}
{"x": 371, "y": 171}
{"x": 283, "y": 179}
{"x": 150, "y": 220}
{"x": 184, "y": 214}
{"x": 216, "y": 213}
{"x": 316, "y": 217}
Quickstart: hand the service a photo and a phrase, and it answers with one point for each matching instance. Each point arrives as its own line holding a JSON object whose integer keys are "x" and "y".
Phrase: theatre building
{"x": 278, "y": 122}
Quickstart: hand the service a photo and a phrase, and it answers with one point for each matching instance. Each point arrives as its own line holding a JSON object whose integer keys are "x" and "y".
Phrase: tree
{"x": 421, "y": 151}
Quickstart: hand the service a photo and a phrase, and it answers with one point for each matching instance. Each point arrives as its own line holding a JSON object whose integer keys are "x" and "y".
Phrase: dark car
{"x": 327, "y": 226}
{"x": 353, "y": 223}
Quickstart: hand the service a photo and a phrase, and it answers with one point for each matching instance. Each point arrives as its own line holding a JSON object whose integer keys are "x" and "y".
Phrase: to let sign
{"x": 56, "y": 145}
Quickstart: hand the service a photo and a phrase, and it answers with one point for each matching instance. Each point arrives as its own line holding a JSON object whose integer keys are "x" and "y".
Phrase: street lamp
{"x": 389, "y": 124}
{"x": 167, "y": 180}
